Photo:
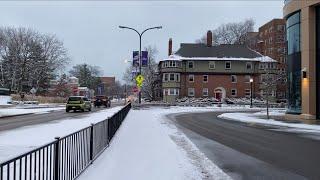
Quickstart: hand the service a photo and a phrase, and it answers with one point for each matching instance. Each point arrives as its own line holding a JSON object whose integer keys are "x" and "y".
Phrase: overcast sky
{"x": 90, "y": 30}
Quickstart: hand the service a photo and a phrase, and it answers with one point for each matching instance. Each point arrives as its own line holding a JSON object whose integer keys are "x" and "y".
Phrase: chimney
{"x": 209, "y": 38}
{"x": 170, "y": 47}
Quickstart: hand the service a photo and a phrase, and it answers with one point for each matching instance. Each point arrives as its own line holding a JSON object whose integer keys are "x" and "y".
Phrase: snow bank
{"x": 253, "y": 118}
{"x": 20, "y": 140}
{"x": 147, "y": 146}
{"x": 21, "y": 111}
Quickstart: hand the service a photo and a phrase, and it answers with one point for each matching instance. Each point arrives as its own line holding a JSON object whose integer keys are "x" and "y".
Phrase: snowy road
{"x": 247, "y": 151}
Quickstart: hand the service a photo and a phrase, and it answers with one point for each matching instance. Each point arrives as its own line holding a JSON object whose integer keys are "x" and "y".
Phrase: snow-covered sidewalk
{"x": 148, "y": 146}
{"x": 256, "y": 118}
{"x": 18, "y": 141}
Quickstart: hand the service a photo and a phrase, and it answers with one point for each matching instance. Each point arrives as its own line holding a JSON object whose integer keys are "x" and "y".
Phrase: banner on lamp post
{"x": 144, "y": 58}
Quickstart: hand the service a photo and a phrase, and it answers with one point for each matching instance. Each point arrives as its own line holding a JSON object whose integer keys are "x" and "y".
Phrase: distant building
{"x": 107, "y": 83}
{"x": 270, "y": 41}
{"x": 203, "y": 70}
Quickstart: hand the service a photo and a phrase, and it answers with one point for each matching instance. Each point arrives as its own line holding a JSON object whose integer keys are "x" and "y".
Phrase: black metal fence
{"x": 66, "y": 157}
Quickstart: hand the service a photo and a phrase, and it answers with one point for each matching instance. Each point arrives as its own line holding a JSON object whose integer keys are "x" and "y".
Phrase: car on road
{"x": 78, "y": 103}
{"x": 101, "y": 100}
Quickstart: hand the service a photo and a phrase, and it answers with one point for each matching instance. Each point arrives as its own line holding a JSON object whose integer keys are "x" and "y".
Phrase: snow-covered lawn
{"x": 17, "y": 141}
{"x": 256, "y": 118}
{"x": 23, "y": 110}
{"x": 148, "y": 146}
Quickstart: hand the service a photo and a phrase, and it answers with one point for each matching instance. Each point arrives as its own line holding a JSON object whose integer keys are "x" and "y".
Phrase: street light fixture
{"x": 140, "y": 37}
{"x": 251, "y": 93}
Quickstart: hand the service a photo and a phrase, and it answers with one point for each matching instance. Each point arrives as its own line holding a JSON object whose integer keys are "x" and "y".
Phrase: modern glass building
{"x": 303, "y": 57}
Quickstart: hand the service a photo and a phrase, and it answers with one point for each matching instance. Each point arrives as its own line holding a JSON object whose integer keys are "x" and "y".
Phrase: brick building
{"x": 270, "y": 41}
{"x": 203, "y": 70}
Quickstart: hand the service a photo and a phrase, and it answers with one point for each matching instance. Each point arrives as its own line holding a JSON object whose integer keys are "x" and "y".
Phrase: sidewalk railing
{"x": 66, "y": 157}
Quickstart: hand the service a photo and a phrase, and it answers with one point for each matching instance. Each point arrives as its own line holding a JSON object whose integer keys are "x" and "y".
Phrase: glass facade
{"x": 318, "y": 60}
{"x": 294, "y": 63}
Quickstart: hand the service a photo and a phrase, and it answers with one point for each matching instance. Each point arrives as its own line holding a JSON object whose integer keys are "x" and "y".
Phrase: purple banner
{"x": 144, "y": 58}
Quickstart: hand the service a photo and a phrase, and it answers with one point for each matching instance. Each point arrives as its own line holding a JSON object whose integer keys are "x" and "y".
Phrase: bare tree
{"x": 28, "y": 59}
{"x": 230, "y": 33}
{"x": 270, "y": 78}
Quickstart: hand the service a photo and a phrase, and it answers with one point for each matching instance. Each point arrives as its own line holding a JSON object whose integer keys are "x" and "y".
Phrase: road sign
{"x": 135, "y": 89}
{"x": 139, "y": 80}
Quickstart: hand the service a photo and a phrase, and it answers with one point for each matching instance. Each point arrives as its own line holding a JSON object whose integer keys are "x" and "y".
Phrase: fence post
{"x": 91, "y": 142}
{"x": 56, "y": 158}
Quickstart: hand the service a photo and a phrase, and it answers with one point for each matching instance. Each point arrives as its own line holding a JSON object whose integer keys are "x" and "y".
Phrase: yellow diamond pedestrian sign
{"x": 139, "y": 80}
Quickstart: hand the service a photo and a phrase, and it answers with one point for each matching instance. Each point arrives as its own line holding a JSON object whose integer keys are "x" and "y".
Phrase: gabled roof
{"x": 220, "y": 51}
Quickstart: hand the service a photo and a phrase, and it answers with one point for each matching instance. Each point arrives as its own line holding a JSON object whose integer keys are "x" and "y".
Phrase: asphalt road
{"x": 248, "y": 152}
{"x": 32, "y": 119}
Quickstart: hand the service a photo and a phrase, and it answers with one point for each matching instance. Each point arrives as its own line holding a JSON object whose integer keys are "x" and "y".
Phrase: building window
{"x": 205, "y": 78}
{"x": 190, "y": 64}
{"x": 191, "y": 78}
{"x": 249, "y": 65}
{"x": 170, "y": 64}
{"x": 247, "y": 92}
{"x": 261, "y": 66}
{"x": 233, "y": 92}
{"x": 233, "y": 78}
{"x": 171, "y": 92}
{"x": 205, "y": 92}
{"x": 191, "y": 92}
{"x": 165, "y": 77}
{"x": 212, "y": 65}
{"x": 227, "y": 65}
{"x": 171, "y": 77}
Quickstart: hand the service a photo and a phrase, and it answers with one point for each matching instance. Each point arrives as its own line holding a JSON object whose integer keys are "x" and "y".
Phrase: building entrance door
{"x": 218, "y": 96}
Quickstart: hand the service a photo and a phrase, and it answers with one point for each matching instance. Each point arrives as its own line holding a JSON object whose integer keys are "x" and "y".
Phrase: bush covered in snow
{"x": 186, "y": 101}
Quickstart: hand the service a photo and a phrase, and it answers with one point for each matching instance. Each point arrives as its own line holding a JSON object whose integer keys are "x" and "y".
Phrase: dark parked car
{"x": 101, "y": 101}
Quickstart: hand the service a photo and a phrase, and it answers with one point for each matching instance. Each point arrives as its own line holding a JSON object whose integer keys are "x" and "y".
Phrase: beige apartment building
{"x": 303, "y": 57}
{"x": 222, "y": 71}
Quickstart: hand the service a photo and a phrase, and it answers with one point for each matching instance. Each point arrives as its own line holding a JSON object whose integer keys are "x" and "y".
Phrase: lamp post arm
{"x": 158, "y": 27}
{"x": 125, "y": 27}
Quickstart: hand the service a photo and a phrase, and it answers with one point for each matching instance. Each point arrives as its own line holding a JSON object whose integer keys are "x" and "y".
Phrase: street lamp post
{"x": 251, "y": 93}
{"x": 140, "y": 37}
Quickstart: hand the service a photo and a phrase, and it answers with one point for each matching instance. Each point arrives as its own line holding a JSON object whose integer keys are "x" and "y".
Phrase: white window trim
{"x": 245, "y": 92}
{"x": 212, "y": 63}
{"x": 236, "y": 93}
{"x": 207, "y": 78}
{"x": 236, "y": 78}
{"x": 225, "y": 65}
{"x": 191, "y": 90}
{"x": 207, "y": 92}
{"x": 191, "y": 75}
{"x": 250, "y": 66}
{"x": 192, "y": 64}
